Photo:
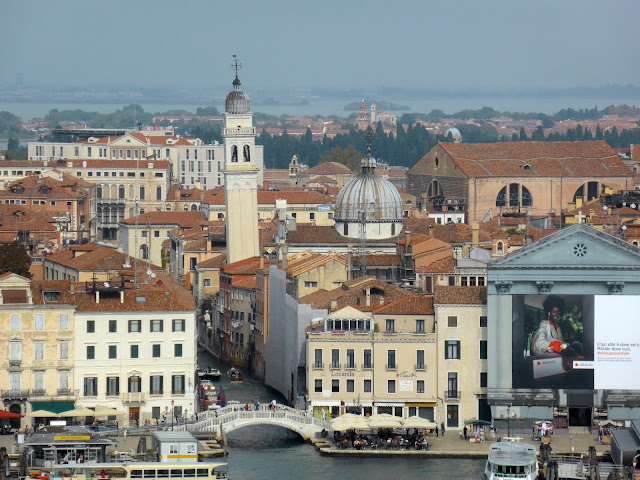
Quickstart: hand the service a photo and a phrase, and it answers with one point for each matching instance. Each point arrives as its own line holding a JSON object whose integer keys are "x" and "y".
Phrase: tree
{"x": 14, "y": 258}
{"x": 523, "y": 135}
{"x": 349, "y": 157}
{"x": 13, "y": 144}
{"x": 538, "y": 134}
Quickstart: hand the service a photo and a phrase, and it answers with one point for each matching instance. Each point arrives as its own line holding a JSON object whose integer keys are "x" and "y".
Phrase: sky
{"x": 333, "y": 44}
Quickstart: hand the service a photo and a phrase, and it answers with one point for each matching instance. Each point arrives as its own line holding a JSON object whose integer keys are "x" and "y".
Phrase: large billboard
{"x": 576, "y": 341}
{"x": 553, "y": 341}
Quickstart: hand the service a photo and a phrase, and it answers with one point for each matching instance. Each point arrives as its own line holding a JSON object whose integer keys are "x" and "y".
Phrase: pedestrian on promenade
{"x": 442, "y": 427}
{"x": 15, "y": 437}
{"x": 124, "y": 433}
{"x": 465, "y": 432}
{"x": 323, "y": 416}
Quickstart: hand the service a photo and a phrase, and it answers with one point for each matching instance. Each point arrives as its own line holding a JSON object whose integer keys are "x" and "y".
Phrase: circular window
{"x": 580, "y": 249}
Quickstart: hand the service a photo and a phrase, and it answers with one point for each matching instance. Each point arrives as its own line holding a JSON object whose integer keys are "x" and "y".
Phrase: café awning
{"x": 53, "y": 407}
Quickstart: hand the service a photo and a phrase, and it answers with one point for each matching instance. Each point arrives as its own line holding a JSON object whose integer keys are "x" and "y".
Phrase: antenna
{"x": 236, "y": 65}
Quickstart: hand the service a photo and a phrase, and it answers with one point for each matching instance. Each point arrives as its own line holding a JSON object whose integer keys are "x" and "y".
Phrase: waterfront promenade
{"x": 448, "y": 446}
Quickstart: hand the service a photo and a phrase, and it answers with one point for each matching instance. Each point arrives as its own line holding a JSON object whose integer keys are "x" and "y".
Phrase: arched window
{"x": 500, "y": 248}
{"x": 246, "y": 154}
{"x": 393, "y": 229}
{"x": 186, "y": 208}
{"x": 514, "y": 195}
{"x": 437, "y": 162}
{"x": 158, "y": 193}
{"x": 99, "y": 192}
{"x": 144, "y": 252}
{"x": 635, "y": 243}
{"x": 589, "y": 191}
{"x": 234, "y": 153}
{"x": 346, "y": 229}
{"x": 121, "y": 192}
{"x": 434, "y": 189}
{"x": 167, "y": 207}
{"x": 194, "y": 208}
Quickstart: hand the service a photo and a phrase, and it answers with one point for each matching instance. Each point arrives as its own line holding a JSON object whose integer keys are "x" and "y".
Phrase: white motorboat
{"x": 511, "y": 460}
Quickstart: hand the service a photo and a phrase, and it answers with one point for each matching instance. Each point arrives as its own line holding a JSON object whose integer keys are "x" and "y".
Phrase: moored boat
{"x": 209, "y": 373}
{"x": 511, "y": 460}
{"x": 235, "y": 375}
{"x": 137, "y": 471}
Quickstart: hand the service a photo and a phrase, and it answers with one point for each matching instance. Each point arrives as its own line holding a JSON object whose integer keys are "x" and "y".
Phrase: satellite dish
{"x": 269, "y": 251}
{"x": 605, "y": 208}
{"x": 633, "y": 205}
{"x": 153, "y": 275}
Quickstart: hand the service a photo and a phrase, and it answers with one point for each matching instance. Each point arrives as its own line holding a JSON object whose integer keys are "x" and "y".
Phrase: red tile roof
{"x": 410, "y": 305}
{"x": 448, "y": 295}
{"x": 329, "y": 168}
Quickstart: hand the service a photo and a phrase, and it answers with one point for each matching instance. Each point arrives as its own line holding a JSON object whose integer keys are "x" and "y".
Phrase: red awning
{"x": 5, "y": 414}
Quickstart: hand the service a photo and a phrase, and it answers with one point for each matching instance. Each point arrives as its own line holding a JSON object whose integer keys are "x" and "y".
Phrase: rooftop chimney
{"x": 334, "y": 304}
{"x": 475, "y": 230}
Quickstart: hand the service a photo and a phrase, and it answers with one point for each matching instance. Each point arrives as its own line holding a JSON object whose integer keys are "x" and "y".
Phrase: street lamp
{"x": 508, "y": 422}
{"x": 172, "y": 414}
{"x": 571, "y": 444}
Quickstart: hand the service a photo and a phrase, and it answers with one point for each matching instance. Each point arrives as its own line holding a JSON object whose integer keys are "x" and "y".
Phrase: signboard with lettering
{"x": 406, "y": 386}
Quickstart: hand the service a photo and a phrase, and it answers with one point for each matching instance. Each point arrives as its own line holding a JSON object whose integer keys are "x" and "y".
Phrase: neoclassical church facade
{"x": 485, "y": 180}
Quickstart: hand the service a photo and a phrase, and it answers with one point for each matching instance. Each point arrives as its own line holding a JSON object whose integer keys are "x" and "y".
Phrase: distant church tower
{"x": 240, "y": 171}
{"x": 373, "y": 114}
{"x": 363, "y": 116}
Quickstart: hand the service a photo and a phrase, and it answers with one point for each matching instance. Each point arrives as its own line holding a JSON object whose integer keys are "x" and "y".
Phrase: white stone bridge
{"x": 235, "y": 416}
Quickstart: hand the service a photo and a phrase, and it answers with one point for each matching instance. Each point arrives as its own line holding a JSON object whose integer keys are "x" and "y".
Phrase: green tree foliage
{"x": 538, "y": 134}
{"x": 10, "y": 124}
{"x": 349, "y": 157}
{"x": 14, "y": 258}
{"x": 209, "y": 111}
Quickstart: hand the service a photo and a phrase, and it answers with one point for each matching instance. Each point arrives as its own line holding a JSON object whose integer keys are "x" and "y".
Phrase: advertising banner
{"x": 553, "y": 341}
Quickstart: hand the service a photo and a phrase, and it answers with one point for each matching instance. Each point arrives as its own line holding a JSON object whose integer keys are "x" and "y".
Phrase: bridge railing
{"x": 212, "y": 419}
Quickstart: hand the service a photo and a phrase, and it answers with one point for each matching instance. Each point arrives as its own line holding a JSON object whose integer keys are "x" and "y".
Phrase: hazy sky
{"x": 334, "y": 43}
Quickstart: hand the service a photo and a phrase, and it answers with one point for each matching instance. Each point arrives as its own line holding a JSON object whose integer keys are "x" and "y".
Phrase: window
{"x": 192, "y": 263}
{"x": 142, "y": 192}
{"x": 317, "y": 386}
{"x": 156, "y": 325}
{"x": 483, "y": 349}
{"x": 156, "y": 384}
{"x": 158, "y": 192}
{"x": 351, "y": 359}
{"x": 39, "y": 321}
{"x": 177, "y": 350}
{"x": 335, "y": 386}
{"x": 156, "y": 234}
{"x": 420, "y": 360}
{"x": 452, "y": 385}
{"x": 391, "y": 386}
{"x": 452, "y": 349}
{"x": 335, "y": 358}
{"x": 15, "y": 322}
{"x": 452, "y": 322}
{"x": 113, "y": 326}
{"x": 15, "y": 354}
{"x": 134, "y": 351}
{"x": 366, "y": 388}
{"x": 155, "y": 348}
{"x": 113, "y": 351}
{"x": 310, "y": 284}
{"x": 420, "y": 386}
{"x": 317, "y": 361}
{"x": 391, "y": 359}
{"x": 64, "y": 350}
{"x": 177, "y": 325}
{"x": 483, "y": 379}
{"x": 121, "y": 192}
{"x": 419, "y": 326}
{"x": 38, "y": 350}
{"x": 113, "y": 386}
{"x": 134, "y": 325}
{"x": 135, "y": 385}
{"x": 144, "y": 234}
{"x": 351, "y": 386}
{"x": 63, "y": 380}
{"x": 91, "y": 352}
{"x": 483, "y": 321}
{"x": 366, "y": 363}
{"x": 90, "y": 387}
{"x": 207, "y": 282}
{"x": 64, "y": 321}
{"x": 390, "y": 325}
{"x": 177, "y": 384}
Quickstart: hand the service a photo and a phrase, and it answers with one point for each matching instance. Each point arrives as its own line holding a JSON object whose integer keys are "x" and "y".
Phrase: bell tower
{"x": 241, "y": 169}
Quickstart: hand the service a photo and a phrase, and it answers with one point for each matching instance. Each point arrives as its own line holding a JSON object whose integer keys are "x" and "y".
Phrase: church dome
{"x": 370, "y": 195}
{"x": 237, "y": 101}
{"x": 455, "y": 133}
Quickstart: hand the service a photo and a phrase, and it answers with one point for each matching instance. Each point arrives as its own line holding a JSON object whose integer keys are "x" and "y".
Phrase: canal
{"x": 265, "y": 453}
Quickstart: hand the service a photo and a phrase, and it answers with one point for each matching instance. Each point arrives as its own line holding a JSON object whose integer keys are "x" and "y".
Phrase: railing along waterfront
{"x": 213, "y": 419}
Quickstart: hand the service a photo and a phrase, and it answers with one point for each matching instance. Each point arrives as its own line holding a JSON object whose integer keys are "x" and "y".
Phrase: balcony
{"x": 14, "y": 394}
{"x": 391, "y": 368}
{"x": 65, "y": 391}
{"x": 15, "y": 362}
{"x": 367, "y": 366}
{"x": 452, "y": 395}
{"x": 318, "y": 366}
{"x": 238, "y": 131}
{"x": 420, "y": 367}
{"x": 335, "y": 366}
{"x": 135, "y": 397}
{"x": 350, "y": 366}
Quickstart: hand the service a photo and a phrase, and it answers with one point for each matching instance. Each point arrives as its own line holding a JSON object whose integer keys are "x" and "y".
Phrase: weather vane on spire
{"x": 236, "y": 65}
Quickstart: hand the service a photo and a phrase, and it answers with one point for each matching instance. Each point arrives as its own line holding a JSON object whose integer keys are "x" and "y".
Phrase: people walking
{"x": 323, "y": 415}
{"x": 442, "y": 428}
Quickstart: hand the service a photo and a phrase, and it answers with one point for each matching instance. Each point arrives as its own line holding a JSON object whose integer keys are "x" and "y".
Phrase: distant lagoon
{"x": 330, "y": 106}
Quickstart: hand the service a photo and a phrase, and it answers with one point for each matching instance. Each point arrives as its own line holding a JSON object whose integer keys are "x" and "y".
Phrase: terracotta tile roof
{"x": 37, "y": 187}
{"x": 97, "y": 258}
{"x": 244, "y": 281}
{"x": 315, "y": 234}
{"x": 383, "y": 260}
{"x": 164, "y": 295}
{"x": 142, "y": 164}
{"x": 323, "y": 179}
{"x": 269, "y": 197}
{"x": 537, "y": 159}
{"x": 353, "y": 293}
{"x": 248, "y": 266}
{"x": 329, "y": 168}
{"x": 410, "y": 305}
{"x": 182, "y": 219}
{"x": 447, "y": 295}
{"x": 442, "y": 266}
{"x": 216, "y": 262}
{"x": 305, "y": 261}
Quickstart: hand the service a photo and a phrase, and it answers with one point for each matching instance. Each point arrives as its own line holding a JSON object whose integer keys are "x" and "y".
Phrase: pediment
{"x": 577, "y": 247}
